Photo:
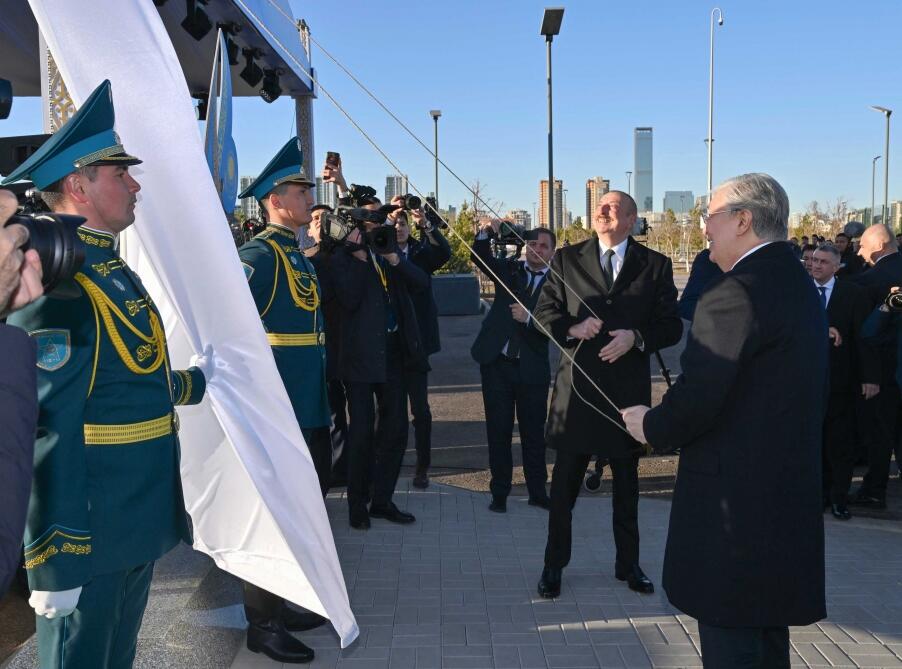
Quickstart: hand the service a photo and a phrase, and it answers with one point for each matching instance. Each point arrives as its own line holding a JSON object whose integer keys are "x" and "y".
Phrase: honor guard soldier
{"x": 289, "y": 298}
{"x": 107, "y": 497}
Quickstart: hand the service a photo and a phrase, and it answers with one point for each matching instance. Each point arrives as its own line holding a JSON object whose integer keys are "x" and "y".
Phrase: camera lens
{"x": 411, "y": 202}
{"x": 894, "y": 301}
{"x": 382, "y": 239}
{"x": 55, "y": 238}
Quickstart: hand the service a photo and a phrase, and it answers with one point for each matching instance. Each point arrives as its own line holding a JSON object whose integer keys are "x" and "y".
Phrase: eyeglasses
{"x": 708, "y": 215}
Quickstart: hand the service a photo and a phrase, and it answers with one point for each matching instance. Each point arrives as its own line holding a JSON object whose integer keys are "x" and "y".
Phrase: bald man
{"x": 880, "y": 251}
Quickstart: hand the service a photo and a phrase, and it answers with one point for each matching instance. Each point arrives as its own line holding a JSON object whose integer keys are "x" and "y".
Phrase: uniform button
{"x": 608, "y": 302}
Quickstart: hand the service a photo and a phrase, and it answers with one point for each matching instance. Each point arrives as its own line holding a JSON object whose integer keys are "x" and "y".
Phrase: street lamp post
{"x": 873, "y": 180}
{"x": 629, "y": 183}
{"x": 551, "y": 26}
{"x": 435, "y": 113}
{"x": 710, "y": 140}
{"x": 886, "y": 112}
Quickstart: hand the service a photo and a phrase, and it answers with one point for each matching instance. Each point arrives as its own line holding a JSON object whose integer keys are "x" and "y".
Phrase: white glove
{"x": 204, "y": 363}
{"x": 57, "y": 604}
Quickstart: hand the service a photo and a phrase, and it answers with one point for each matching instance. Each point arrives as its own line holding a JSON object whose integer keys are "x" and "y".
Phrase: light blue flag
{"x": 222, "y": 156}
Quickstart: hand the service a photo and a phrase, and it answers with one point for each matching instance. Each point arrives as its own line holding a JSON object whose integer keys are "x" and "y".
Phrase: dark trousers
{"x": 839, "y": 447}
{"x": 338, "y": 405}
{"x": 884, "y": 424}
{"x": 103, "y": 630}
{"x": 503, "y": 393}
{"x": 262, "y": 606}
{"x": 416, "y": 384}
{"x": 566, "y": 481}
{"x": 375, "y": 447}
{"x": 745, "y": 647}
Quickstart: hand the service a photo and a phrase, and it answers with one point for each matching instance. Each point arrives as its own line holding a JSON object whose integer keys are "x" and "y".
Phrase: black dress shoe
{"x": 392, "y": 514}
{"x": 301, "y": 621}
{"x": 840, "y": 511}
{"x": 868, "y": 500}
{"x": 636, "y": 579}
{"x": 498, "y": 505}
{"x": 541, "y": 502}
{"x": 421, "y": 481}
{"x": 360, "y": 518}
{"x": 550, "y": 583}
{"x": 274, "y": 641}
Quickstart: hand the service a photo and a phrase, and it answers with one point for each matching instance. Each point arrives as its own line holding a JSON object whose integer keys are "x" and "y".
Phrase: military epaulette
{"x": 188, "y": 386}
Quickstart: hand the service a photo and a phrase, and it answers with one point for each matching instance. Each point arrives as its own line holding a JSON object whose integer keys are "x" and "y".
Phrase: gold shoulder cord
{"x": 304, "y": 297}
{"x": 107, "y": 310}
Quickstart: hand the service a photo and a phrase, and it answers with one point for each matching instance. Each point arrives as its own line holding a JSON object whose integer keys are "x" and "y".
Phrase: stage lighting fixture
{"x": 196, "y": 23}
{"x": 252, "y": 73}
{"x": 271, "y": 89}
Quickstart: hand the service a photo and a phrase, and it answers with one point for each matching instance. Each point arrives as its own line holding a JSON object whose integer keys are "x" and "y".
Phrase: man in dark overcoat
{"x": 745, "y": 548}
{"x": 611, "y": 302}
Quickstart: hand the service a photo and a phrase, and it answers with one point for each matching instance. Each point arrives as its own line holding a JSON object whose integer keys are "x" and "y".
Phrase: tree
{"x": 572, "y": 235}
{"x": 578, "y": 223}
{"x": 463, "y": 227}
{"x": 665, "y": 236}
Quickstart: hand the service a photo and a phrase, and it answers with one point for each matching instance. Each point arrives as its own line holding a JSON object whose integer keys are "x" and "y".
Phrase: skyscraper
{"x": 250, "y": 208}
{"x": 595, "y": 188}
{"x": 642, "y": 170}
{"x": 558, "y": 203}
{"x": 395, "y": 185}
{"x": 326, "y": 192}
{"x": 679, "y": 201}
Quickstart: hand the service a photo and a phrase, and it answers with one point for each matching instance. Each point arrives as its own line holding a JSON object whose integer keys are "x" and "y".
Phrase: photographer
{"x": 428, "y": 253}
{"x": 20, "y": 284}
{"x": 379, "y": 339}
{"x": 512, "y": 353}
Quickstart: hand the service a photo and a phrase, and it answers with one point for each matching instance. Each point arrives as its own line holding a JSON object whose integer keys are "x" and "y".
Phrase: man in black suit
{"x": 611, "y": 303}
{"x": 850, "y": 263}
{"x": 379, "y": 340}
{"x": 429, "y": 253}
{"x": 882, "y": 420}
{"x": 854, "y": 370}
{"x": 20, "y": 283}
{"x": 512, "y": 352}
{"x": 745, "y": 548}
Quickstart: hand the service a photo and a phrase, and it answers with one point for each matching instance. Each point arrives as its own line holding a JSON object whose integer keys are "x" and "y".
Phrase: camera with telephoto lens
{"x": 893, "y": 301}
{"x": 432, "y": 216}
{"x": 511, "y": 234}
{"x": 410, "y": 202}
{"x": 53, "y": 236}
{"x": 337, "y": 225}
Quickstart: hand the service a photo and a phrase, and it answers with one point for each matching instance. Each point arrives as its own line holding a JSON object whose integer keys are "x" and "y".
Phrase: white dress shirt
{"x": 616, "y": 259}
{"x": 829, "y": 286}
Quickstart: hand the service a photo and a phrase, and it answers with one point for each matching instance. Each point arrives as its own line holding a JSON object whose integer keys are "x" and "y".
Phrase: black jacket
{"x": 856, "y": 360}
{"x": 642, "y": 298}
{"x": 363, "y": 315}
{"x": 499, "y": 325}
{"x": 703, "y": 271}
{"x": 877, "y": 281}
{"x": 745, "y": 546}
{"x": 331, "y": 309}
{"x": 18, "y": 417}
{"x": 428, "y": 253}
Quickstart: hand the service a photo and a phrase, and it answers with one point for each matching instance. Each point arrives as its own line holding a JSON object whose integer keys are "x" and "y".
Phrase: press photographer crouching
{"x": 20, "y": 284}
{"x": 379, "y": 340}
{"x": 430, "y": 252}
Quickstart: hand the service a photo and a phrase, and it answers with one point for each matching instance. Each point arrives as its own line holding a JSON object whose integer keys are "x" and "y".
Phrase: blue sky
{"x": 794, "y": 80}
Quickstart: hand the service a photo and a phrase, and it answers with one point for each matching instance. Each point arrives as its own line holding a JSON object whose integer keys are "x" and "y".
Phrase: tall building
{"x": 595, "y": 188}
{"x": 520, "y": 216}
{"x": 895, "y": 215}
{"x": 326, "y": 192}
{"x": 558, "y": 203}
{"x": 643, "y": 185}
{"x": 395, "y": 185}
{"x": 250, "y": 208}
{"x": 679, "y": 201}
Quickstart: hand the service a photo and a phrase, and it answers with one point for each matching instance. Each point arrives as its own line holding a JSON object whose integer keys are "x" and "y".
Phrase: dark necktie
{"x": 607, "y": 268}
{"x": 823, "y": 290}
{"x": 534, "y": 279}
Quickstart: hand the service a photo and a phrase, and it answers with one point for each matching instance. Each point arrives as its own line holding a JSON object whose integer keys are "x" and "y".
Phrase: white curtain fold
{"x": 249, "y": 482}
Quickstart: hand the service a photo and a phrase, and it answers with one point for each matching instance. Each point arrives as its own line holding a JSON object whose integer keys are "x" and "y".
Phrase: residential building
{"x": 395, "y": 185}
{"x": 326, "y": 192}
{"x": 558, "y": 204}
{"x": 595, "y": 188}
{"x": 520, "y": 216}
{"x": 249, "y": 206}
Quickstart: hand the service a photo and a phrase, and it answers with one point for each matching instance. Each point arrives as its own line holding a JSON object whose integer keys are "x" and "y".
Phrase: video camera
{"x": 893, "y": 301}
{"x": 338, "y": 225}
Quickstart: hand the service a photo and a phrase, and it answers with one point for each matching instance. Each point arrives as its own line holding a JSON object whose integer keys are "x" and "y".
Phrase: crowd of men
{"x": 783, "y": 371}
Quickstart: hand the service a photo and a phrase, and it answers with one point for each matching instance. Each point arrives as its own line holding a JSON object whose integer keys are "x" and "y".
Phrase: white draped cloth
{"x": 249, "y": 482}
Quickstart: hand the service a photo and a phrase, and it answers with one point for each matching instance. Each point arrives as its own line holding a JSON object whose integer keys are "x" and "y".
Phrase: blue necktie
{"x": 823, "y": 290}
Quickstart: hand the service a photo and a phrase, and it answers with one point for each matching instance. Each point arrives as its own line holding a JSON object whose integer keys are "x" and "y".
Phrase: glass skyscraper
{"x": 643, "y": 190}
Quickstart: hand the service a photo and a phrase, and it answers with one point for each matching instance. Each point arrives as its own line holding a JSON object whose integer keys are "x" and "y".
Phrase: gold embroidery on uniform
{"x": 101, "y": 269}
{"x": 108, "y": 310}
{"x": 95, "y": 241}
{"x": 134, "y": 306}
{"x": 187, "y": 386}
{"x": 41, "y": 558}
{"x": 77, "y": 550}
{"x": 304, "y": 339}
{"x": 128, "y": 433}
{"x": 144, "y": 351}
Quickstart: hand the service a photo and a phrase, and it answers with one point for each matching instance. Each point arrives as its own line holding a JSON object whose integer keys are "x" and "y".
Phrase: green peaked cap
{"x": 286, "y": 167}
{"x": 87, "y": 139}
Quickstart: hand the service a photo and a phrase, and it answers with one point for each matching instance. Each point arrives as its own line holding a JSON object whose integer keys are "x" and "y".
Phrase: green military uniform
{"x": 107, "y": 498}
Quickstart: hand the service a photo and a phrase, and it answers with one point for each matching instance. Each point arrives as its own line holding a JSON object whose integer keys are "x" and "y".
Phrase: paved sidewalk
{"x": 457, "y": 590}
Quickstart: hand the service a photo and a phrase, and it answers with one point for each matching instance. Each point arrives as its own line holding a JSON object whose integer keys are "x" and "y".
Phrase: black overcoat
{"x": 642, "y": 298}
{"x": 745, "y": 546}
